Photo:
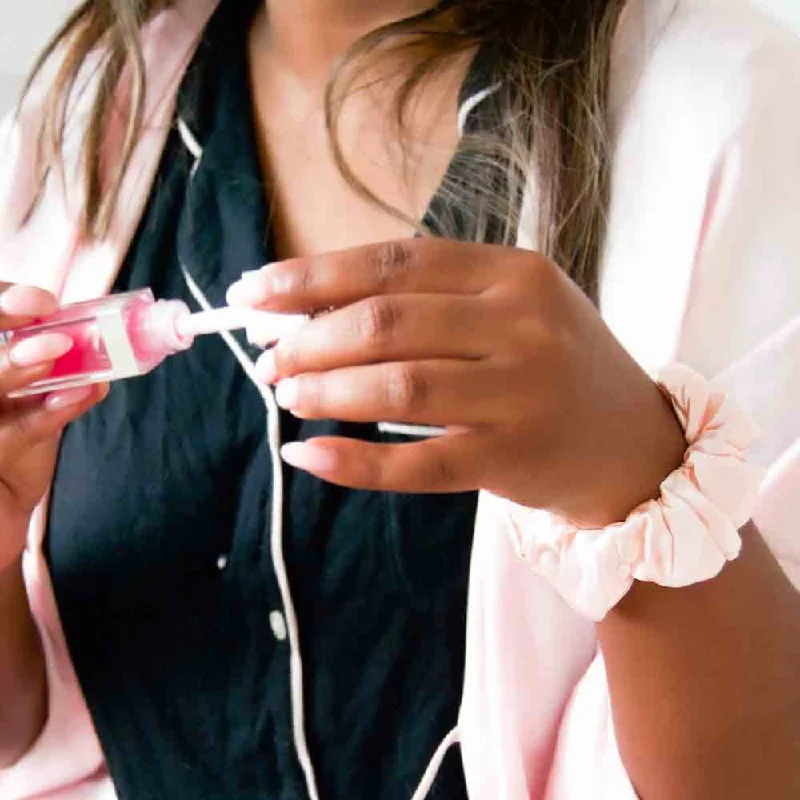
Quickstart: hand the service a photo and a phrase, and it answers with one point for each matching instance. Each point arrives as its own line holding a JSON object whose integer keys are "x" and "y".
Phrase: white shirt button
{"x": 278, "y": 625}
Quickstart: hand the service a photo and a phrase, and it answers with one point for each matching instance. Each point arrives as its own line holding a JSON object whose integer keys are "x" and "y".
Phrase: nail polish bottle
{"x": 130, "y": 334}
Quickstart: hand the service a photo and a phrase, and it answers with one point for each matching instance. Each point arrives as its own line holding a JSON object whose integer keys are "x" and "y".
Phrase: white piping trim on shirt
{"x": 276, "y": 532}
{"x": 471, "y": 103}
{"x": 435, "y": 765}
{"x": 191, "y": 144}
{"x": 276, "y": 544}
{"x": 276, "y": 538}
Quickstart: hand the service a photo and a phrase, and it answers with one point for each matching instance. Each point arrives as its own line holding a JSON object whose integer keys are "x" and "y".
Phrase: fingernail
{"x": 287, "y": 393}
{"x": 267, "y": 368}
{"x": 250, "y": 289}
{"x": 69, "y": 397}
{"x": 40, "y": 349}
{"x": 309, "y": 457}
{"x": 26, "y": 301}
{"x": 281, "y": 281}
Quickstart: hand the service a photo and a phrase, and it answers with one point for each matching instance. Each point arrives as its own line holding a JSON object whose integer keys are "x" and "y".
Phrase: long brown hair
{"x": 550, "y": 59}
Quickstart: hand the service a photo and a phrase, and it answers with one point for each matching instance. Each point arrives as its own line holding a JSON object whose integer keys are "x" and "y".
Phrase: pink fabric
{"x": 700, "y": 267}
{"x": 587, "y": 737}
{"x": 685, "y": 536}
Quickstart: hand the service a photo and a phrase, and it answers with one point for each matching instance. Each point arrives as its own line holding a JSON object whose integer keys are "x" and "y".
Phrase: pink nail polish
{"x": 309, "y": 457}
{"x": 39, "y": 349}
{"x": 67, "y": 398}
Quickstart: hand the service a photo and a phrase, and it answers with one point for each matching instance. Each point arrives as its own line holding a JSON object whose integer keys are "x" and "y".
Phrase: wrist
{"x": 13, "y": 537}
{"x": 653, "y": 447}
{"x": 684, "y": 536}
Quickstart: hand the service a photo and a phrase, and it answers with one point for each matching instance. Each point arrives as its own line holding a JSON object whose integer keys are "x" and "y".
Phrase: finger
{"x": 14, "y": 379}
{"x": 452, "y": 463}
{"x": 389, "y": 328}
{"x": 19, "y": 305}
{"x": 32, "y": 423}
{"x": 437, "y": 393}
{"x": 424, "y": 266}
{"x": 31, "y": 359}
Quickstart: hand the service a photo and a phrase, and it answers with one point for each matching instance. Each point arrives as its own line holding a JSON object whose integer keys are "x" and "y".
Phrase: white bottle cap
{"x": 165, "y": 321}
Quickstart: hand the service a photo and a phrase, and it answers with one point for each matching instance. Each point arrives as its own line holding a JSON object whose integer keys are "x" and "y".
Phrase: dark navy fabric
{"x": 159, "y": 536}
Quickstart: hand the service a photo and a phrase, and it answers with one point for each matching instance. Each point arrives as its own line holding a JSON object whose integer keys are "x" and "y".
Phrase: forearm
{"x": 705, "y": 683}
{"x": 23, "y": 684}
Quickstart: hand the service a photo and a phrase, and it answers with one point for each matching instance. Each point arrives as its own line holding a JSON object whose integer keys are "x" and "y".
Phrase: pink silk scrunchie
{"x": 685, "y": 536}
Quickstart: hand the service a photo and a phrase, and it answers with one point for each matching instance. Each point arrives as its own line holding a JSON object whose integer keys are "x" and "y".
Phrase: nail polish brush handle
{"x": 263, "y": 327}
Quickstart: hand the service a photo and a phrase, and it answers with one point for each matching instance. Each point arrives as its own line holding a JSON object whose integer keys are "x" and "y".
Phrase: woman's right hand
{"x": 29, "y": 427}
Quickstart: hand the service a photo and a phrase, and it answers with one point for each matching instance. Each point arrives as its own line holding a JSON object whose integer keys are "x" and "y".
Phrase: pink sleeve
{"x": 587, "y": 764}
{"x": 741, "y": 327}
{"x": 778, "y": 511}
{"x": 66, "y": 762}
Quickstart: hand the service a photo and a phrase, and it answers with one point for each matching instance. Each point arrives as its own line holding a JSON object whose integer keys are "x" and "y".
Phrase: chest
{"x": 325, "y": 168}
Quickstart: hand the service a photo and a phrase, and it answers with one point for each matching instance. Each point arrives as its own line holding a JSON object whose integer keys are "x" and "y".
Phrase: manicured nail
{"x": 267, "y": 368}
{"x": 287, "y": 393}
{"x": 309, "y": 457}
{"x": 40, "y": 349}
{"x": 250, "y": 289}
{"x": 27, "y": 301}
{"x": 69, "y": 397}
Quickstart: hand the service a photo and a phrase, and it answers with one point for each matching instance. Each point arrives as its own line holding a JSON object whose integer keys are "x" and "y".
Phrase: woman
{"x": 214, "y": 623}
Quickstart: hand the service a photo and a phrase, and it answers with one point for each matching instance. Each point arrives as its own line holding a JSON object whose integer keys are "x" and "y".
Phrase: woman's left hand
{"x": 542, "y": 405}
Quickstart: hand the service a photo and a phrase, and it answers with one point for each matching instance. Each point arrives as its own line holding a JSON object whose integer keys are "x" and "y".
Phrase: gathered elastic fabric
{"x": 684, "y": 536}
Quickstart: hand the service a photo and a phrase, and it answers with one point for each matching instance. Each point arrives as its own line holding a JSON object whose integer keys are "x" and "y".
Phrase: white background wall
{"x": 24, "y": 27}
{"x": 788, "y": 10}
{"x": 26, "y": 24}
